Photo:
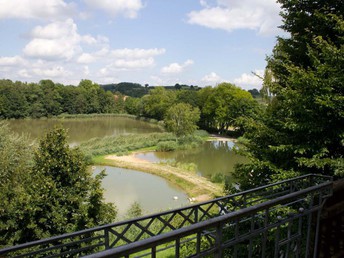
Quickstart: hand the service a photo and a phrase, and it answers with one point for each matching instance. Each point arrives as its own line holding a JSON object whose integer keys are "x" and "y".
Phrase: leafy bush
{"x": 167, "y": 146}
{"x": 217, "y": 178}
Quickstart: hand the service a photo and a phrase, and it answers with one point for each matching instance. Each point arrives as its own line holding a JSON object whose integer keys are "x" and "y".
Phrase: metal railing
{"x": 277, "y": 220}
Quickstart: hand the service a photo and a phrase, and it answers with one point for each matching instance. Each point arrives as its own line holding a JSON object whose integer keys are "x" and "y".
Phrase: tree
{"x": 206, "y": 120}
{"x": 15, "y": 179}
{"x": 226, "y": 104}
{"x": 181, "y": 119}
{"x": 156, "y": 103}
{"x": 51, "y": 194}
{"x": 13, "y": 102}
{"x": 51, "y": 98}
{"x": 132, "y": 106}
{"x": 90, "y": 92}
{"x": 302, "y": 129}
{"x": 188, "y": 96}
{"x": 70, "y": 198}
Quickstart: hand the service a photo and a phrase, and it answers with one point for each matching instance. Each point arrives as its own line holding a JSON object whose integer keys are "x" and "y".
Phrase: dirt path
{"x": 196, "y": 187}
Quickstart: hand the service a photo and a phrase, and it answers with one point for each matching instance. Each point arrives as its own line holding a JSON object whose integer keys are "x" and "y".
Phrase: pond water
{"x": 83, "y": 129}
{"x": 124, "y": 187}
{"x": 211, "y": 158}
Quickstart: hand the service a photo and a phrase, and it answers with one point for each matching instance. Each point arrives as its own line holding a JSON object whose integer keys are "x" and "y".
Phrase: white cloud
{"x": 212, "y": 78}
{"x": 125, "y": 65}
{"x": 203, "y": 3}
{"x": 35, "y": 9}
{"x": 59, "y": 40}
{"x": 133, "y": 64}
{"x": 24, "y": 73}
{"x": 250, "y": 81}
{"x": 53, "y": 72}
{"x": 125, "y": 59}
{"x": 86, "y": 58}
{"x": 99, "y": 54}
{"x": 86, "y": 70}
{"x": 127, "y": 8}
{"x": 137, "y": 53}
{"x": 259, "y": 15}
{"x": 176, "y": 68}
{"x": 12, "y": 61}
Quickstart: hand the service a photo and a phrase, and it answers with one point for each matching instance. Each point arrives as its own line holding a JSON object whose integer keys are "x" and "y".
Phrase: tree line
{"x": 46, "y": 99}
{"x": 136, "y": 90}
{"x": 220, "y": 108}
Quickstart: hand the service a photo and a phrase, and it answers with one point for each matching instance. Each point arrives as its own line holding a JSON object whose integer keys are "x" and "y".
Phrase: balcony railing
{"x": 276, "y": 220}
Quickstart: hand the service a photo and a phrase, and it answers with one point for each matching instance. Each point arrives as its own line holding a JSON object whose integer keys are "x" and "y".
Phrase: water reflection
{"x": 213, "y": 157}
{"x": 83, "y": 129}
{"x": 124, "y": 187}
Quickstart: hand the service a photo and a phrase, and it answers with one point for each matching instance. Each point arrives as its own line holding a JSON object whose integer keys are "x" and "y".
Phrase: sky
{"x": 155, "y": 42}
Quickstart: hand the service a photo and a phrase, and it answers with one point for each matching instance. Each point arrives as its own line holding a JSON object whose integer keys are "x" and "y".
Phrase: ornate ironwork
{"x": 277, "y": 220}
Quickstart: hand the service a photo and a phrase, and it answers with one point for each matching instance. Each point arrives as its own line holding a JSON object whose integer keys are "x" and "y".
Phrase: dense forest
{"x": 46, "y": 99}
{"x": 221, "y": 107}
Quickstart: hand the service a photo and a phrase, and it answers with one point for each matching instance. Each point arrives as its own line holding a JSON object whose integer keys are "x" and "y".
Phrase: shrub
{"x": 167, "y": 146}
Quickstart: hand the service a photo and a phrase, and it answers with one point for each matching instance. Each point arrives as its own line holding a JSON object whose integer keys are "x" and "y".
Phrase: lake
{"x": 213, "y": 157}
{"x": 127, "y": 186}
{"x": 83, "y": 129}
{"x": 124, "y": 187}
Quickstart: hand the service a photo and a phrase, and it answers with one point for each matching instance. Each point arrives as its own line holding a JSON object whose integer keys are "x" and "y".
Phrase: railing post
{"x": 107, "y": 239}
{"x": 321, "y": 203}
{"x": 218, "y": 243}
{"x": 196, "y": 214}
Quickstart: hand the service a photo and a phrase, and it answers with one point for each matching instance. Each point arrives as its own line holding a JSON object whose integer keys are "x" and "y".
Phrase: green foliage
{"x": 45, "y": 99}
{"x": 218, "y": 178}
{"x": 157, "y": 102}
{"x": 132, "y": 106}
{"x": 224, "y": 106}
{"x": 122, "y": 144}
{"x": 181, "y": 119}
{"x": 167, "y": 146}
{"x": 52, "y": 195}
{"x": 301, "y": 129}
{"x": 134, "y": 90}
{"x": 134, "y": 211}
{"x": 16, "y": 178}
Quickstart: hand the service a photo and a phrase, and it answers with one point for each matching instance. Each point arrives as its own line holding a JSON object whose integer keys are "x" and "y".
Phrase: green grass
{"x": 125, "y": 144}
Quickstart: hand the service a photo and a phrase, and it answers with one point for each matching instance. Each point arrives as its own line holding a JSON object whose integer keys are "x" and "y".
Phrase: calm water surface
{"x": 83, "y": 129}
{"x": 213, "y": 157}
{"x": 124, "y": 187}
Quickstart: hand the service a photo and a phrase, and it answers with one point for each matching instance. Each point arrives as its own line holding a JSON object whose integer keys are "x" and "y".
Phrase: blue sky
{"x": 158, "y": 42}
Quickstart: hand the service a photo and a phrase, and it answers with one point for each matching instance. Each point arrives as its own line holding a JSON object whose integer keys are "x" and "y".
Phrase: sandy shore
{"x": 195, "y": 186}
{"x": 218, "y": 137}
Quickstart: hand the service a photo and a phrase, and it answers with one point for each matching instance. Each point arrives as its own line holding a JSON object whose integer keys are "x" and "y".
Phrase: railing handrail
{"x": 116, "y": 224}
{"x": 194, "y": 228}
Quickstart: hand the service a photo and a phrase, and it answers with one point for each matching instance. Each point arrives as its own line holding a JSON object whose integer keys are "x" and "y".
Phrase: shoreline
{"x": 197, "y": 188}
{"x": 218, "y": 137}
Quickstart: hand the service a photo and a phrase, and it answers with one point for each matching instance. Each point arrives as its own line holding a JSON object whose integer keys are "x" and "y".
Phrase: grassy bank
{"x": 192, "y": 184}
{"x": 124, "y": 144}
{"x": 110, "y": 150}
